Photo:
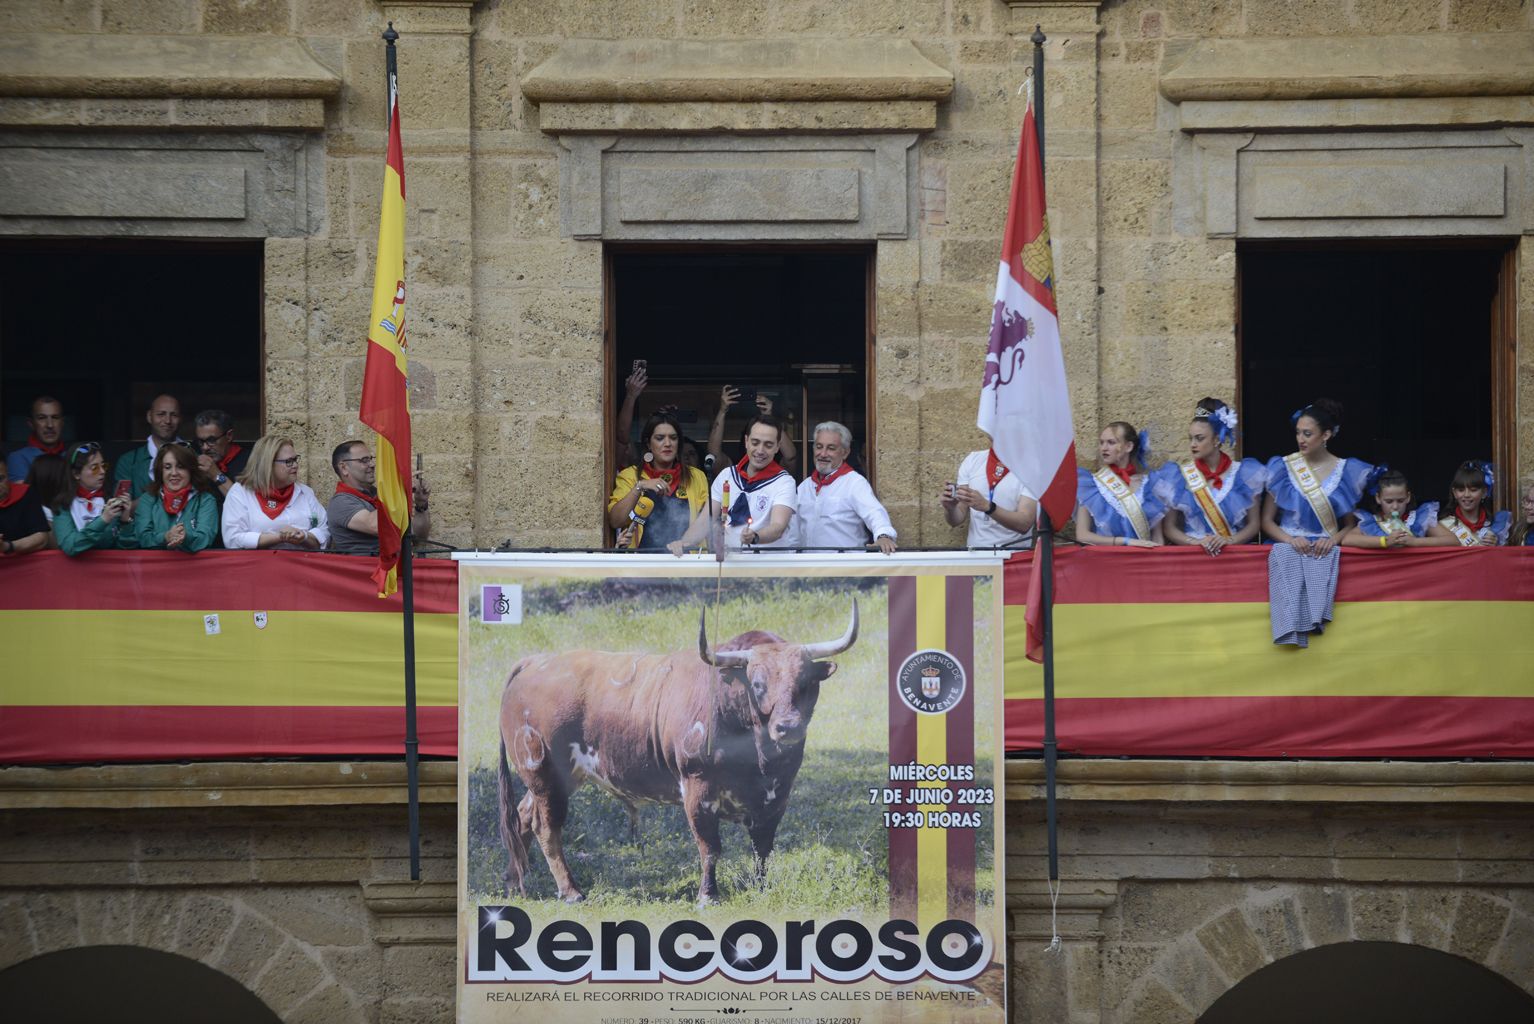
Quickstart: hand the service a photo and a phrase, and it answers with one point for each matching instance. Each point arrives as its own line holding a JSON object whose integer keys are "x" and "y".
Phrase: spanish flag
{"x": 385, "y": 403}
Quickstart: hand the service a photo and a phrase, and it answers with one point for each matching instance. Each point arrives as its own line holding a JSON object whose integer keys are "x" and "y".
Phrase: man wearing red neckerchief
{"x": 46, "y": 424}
{"x": 762, "y": 496}
{"x": 23, "y": 527}
{"x": 220, "y": 459}
{"x": 837, "y": 507}
{"x": 353, "y": 512}
{"x": 989, "y": 497}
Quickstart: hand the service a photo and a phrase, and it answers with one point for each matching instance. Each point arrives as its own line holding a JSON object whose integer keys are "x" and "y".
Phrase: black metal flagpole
{"x": 1045, "y": 546}
{"x": 407, "y": 583}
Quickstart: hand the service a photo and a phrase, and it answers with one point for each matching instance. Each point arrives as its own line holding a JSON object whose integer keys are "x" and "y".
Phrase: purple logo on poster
{"x": 500, "y": 603}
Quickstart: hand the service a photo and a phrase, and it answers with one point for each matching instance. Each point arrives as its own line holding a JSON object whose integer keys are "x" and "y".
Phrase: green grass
{"x": 831, "y": 853}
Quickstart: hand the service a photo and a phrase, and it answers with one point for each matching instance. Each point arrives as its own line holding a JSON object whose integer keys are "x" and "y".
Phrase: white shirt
{"x": 842, "y": 515}
{"x": 985, "y": 532}
{"x": 778, "y": 491}
{"x": 244, "y": 522}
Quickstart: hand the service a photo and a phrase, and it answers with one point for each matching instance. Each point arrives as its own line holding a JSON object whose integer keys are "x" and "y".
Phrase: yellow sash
{"x": 1305, "y": 480}
{"x": 1204, "y": 495}
{"x": 1109, "y": 479}
{"x": 1466, "y": 536}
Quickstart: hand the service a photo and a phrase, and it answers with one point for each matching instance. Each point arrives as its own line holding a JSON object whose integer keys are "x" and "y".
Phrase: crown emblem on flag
{"x": 1036, "y": 257}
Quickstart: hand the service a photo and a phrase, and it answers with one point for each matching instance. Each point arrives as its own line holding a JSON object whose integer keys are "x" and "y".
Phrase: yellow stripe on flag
{"x": 300, "y": 659}
{"x": 931, "y": 748}
{"x": 1453, "y": 648}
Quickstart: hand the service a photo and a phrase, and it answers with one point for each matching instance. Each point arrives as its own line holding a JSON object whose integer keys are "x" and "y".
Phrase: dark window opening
{"x": 790, "y": 325}
{"x": 106, "y": 325}
{"x": 1408, "y": 337}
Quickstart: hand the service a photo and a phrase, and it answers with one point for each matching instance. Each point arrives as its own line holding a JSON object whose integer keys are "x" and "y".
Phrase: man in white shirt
{"x": 999, "y": 509}
{"x": 837, "y": 507}
{"x": 757, "y": 493}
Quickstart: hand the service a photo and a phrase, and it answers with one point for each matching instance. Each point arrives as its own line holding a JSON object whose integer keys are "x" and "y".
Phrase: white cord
{"x": 1055, "y": 945}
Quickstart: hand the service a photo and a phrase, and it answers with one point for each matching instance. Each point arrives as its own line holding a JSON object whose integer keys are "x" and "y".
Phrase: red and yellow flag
{"x": 385, "y": 403}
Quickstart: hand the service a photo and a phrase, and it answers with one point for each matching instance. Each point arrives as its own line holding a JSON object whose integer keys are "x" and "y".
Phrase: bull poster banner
{"x": 768, "y": 790}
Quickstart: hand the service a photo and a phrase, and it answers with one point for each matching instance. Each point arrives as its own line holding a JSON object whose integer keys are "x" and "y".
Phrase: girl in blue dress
{"x": 1311, "y": 497}
{"x": 1523, "y": 530}
{"x": 1210, "y": 498}
{"x": 1394, "y": 523}
{"x": 1114, "y": 505}
{"x": 1470, "y": 520}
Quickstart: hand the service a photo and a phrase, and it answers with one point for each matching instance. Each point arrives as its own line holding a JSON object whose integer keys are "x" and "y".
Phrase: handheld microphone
{"x": 640, "y": 514}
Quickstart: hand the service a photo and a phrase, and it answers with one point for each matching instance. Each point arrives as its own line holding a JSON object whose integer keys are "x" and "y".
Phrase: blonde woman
{"x": 268, "y": 507}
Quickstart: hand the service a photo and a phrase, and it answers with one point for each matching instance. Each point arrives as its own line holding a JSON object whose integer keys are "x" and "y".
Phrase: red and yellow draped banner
{"x": 1168, "y": 653}
{"x": 385, "y": 402}
{"x": 158, "y": 656}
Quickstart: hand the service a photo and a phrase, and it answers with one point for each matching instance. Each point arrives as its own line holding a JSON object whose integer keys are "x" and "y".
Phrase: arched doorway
{"x": 1362, "y": 982}
{"x": 127, "y": 984}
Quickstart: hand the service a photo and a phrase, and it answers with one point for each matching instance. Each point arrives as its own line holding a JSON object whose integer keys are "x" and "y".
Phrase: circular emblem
{"x": 930, "y": 682}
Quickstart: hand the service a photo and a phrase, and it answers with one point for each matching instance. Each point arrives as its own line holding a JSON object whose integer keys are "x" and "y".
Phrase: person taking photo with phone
{"x": 87, "y": 519}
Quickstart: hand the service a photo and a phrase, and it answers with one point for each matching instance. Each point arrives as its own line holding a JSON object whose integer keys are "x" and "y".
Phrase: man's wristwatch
{"x": 992, "y": 510}
{"x": 221, "y": 479}
{"x": 9, "y": 546}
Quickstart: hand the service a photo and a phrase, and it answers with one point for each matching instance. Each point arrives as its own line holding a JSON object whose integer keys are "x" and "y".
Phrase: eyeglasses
{"x": 208, "y": 442}
{"x": 366, "y": 460}
{"x": 290, "y": 463}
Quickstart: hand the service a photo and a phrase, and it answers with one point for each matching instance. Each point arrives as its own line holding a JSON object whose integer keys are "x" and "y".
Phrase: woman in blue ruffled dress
{"x": 1394, "y": 523}
{"x": 1311, "y": 497}
{"x": 1210, "y": 499}
{"x": 1114, "y": 505}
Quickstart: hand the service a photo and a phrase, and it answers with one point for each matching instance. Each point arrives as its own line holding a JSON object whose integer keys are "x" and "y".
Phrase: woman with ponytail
{"x": 1114, "y": 506}
{"x": 1211, "y": 498}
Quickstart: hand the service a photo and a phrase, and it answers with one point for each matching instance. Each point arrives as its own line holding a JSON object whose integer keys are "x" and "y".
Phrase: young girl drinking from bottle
{"x": 1391, "y": 525}
{"x": 1471, "y": 522}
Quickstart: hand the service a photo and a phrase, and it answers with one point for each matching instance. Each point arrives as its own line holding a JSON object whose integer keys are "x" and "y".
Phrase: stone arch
{"x": 1350, "y": 981}
{"x": 141, "y": 986}
{"x": 223, "y": 933}
{"x": 1239, "y": 929}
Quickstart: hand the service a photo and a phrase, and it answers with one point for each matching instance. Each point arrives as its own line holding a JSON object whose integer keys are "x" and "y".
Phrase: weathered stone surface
{"x": 15, "y": 932}
{"x": 250, "y": 948}
{"x": 1324, "y": 914}
{"x": 291, "y": 977}
{"x": 1478, "y": 925}
{"x": 206, "y": 926}
{"x": 1232, "y": 945}
{"x": 1154, "y": 1004}
{"x": 1377, "y": 914}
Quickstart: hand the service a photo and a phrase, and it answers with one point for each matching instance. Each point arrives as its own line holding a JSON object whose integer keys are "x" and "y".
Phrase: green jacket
{"x": 134, "y": 467}
{"x": 98, "y": 533}
{"x": 200, "y": 517}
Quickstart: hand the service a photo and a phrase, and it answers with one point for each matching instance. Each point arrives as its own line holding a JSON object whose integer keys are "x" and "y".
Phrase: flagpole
{"x": 407, "y": 578}
{"x": 1044, "y": 549}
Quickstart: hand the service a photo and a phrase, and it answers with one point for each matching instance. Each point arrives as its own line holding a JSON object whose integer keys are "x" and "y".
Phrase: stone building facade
{"x": 538, "y": 133}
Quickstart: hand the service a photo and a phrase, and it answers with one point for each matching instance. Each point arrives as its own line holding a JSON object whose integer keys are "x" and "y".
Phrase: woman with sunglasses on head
{"x": 86, "y": 518}
{"x": 179, "y": 512}
{"x": 268, "y": 507}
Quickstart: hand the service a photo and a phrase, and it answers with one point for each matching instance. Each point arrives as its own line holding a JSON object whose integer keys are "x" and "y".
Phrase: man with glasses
{"x": 353, "y": 512}
{"x": 137, "y": 466}
{"x": 217, "y": 454}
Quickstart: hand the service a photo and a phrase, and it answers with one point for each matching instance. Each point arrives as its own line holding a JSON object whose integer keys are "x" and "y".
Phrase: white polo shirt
{"x": 777, "y": 491}
{"x": 843, "y": 514}
{"x": 985, "y": 532}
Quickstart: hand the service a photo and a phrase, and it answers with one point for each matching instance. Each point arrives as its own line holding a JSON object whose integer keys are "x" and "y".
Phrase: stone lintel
{"x": 1334, "y": 115}
{"x": 429, "y": 17}
{"x": 216, "y": 784}
{"x": 736, "y": 71}
{"x": 722, "y": 116}
{"x": 1066, "y": 17}
{"x": 299, "y": 114}
{"x": 413, "y": 913}
{"x": 1277, "y": 781}
{"x": 1350, "y": 67}
{"x": 58, "y": 64}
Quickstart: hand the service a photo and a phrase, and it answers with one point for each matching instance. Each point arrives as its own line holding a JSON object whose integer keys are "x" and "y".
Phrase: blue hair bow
{"x": 1372, "y": 481}
{"x": 1142, "y": 444}
{"x": 1489, "y": 475}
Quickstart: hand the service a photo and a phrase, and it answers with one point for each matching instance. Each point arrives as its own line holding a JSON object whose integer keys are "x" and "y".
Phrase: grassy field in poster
{"x": 831, "y": 855}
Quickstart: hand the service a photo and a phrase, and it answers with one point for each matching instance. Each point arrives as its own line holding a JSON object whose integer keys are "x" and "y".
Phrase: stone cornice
{"x": 1350, "y": 67}
{"x": 64, "y": 65}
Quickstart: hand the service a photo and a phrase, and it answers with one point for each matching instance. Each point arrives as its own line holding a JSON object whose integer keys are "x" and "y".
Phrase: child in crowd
{"x": 1472, "y": 522}
{"x": 1391, "y": 525}
{"x": 1523, "y": 530}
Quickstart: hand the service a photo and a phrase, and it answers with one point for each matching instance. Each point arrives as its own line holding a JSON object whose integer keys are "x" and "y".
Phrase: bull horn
{"x": 830, "y": 647}
{"x": 719, "y": 659}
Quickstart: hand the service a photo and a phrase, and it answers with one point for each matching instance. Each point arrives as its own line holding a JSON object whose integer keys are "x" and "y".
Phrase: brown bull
{"x": 723, "y": 736}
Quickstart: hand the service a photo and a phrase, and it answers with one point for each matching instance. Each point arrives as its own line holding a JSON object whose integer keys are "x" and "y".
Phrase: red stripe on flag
{"x": 1059, "y": 498}
{"x": 959, "y": 627}
{"x": 44, "y": 735}
{"x": 272, "y": 581}
{"x": 395, "y": 158}
{"x": 1025, "y": 220}
{"x": 902, "y": 743}
{"x": 1354, "y": 727}
{"x": 385, "y": 406}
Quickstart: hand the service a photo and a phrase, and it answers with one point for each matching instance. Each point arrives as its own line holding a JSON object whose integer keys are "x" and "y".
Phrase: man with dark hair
{"x": 46, "y": 423}
{"x": 137, "y": 466}
{"x": 23, "y": 527}
{"x": 756, "y": 496}
{"x": 353, "y": 512}
{"x": 213, "y": 442}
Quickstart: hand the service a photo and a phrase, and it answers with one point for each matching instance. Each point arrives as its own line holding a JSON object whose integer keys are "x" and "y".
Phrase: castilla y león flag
{"x": 1024, "y": 404}
{"x": 385, "y": 404}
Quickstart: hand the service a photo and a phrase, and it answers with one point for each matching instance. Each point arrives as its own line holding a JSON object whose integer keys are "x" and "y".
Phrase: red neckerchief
{"x": 14, "y": 493}
{"x": 81, "y": 492}
{"x": 175, "y": 501}
{"x": 1475, "y": 527}
{"x": 769, "y": 471}
{"x": 46, "y": 449}
{"x": 272, "y": 504}
{"x": 371, "y": 499}
{"x": 223, "y": 464}
{"x": 821, "y": 481}
{"x": 672, "y": 476}
{"x": 995, "y": 470}
{"x": 1214, "y": 476}
{"x": 1125, "y": 474}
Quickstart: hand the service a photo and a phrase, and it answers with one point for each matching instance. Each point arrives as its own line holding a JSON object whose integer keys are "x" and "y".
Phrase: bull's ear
{"x": 827, "y": 669}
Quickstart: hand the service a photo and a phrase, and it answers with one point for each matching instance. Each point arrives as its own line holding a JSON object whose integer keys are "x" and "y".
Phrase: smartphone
{"x": 124, "y": 489}
{"x": 948, "y": 488}
{"x": 747, "y": 396}
{"x": 641, "y": 366}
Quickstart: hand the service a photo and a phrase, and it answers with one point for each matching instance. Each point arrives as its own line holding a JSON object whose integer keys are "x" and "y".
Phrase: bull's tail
{"x": 511, "y": 826}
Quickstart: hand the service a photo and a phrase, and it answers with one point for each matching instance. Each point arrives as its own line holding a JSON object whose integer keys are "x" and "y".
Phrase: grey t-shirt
{"x": 343, "y": 539}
